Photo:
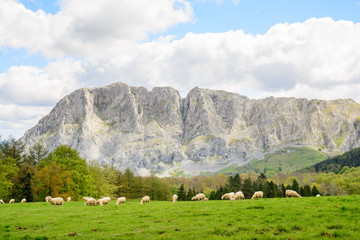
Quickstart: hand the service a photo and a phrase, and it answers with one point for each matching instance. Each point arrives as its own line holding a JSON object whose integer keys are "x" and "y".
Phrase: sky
{"x": 257, "y": 48}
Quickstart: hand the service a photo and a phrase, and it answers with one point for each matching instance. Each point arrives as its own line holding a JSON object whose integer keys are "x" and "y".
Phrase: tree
{"x": 295, "y": 185}
{"x": 37, "y": 153}
{"x": 53, "y": 180}
{"x": 314, "y": 191}
{"x": 181, "y": 193}
{"x": 8, "y": 170}
{"x": 12, "y": 148}
{"x": 71, "y": 161}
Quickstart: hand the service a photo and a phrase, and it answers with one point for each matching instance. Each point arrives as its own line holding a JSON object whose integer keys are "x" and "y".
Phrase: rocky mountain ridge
{"x": 158, "y": 132}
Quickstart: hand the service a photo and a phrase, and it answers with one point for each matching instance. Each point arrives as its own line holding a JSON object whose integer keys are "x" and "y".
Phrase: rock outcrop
{"x": 159, "y": 132}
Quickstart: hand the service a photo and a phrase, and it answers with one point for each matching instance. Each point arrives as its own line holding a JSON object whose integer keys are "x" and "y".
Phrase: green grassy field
{"x": 302, "y": 218}
{"x": 286, "y": 160}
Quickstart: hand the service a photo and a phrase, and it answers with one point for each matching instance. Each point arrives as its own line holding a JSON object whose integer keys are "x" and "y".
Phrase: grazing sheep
{"x": 145, "y": 199}
{"x": 206, "y": 199}
{"x": 69, "y": 199}
{"x": 90, "y": 201}
{"x": 228, "y": 196}
{"x": 291, "y": 193}
{"x": 1, "y": 201}
{"x": 175, "y": 198}
{"x": 100, "y": 202}
{"x": 106, "y": 200}
{"x": 318, "y": 195}
{"x": 87, "y": 198}
{"x": 239, "y": 195}
{"x": 56, "y": 201}
{"x": 47, "y": 199}
{"x": 12, "y": 201}
{"x": 23, "y": 200}
{"x": 199, "y": 197}
{"x": 120, "y": 200}
{"x": 258, "y": 194}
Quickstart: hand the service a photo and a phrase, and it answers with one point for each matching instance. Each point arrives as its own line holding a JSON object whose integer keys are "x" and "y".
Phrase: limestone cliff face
{"x": 159, "y": 132}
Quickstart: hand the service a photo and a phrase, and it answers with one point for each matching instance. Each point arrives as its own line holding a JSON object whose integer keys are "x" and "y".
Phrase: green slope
{"x": 285, "y": 160}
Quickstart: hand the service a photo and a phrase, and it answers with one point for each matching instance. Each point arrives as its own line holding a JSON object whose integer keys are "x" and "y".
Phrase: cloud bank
{"x": 95, "y": 43}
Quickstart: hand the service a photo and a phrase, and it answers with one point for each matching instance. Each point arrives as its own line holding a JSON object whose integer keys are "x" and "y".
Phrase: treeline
{"x": 335, "y": 164}
{"x": 37, "y": 174}
{"x": 248, "y": 186}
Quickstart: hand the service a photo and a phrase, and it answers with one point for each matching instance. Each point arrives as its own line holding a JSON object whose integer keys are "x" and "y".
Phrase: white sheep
{"x": 228, "y": 196}
{"x": 90, "y": 201}
{"x": 145, "y": 200}
{"x": 69, "y": 199}
{"x": 106, "y": 200}
{"x": 239, "y": 195}
{"x": 175, "y": 198}
{"x": 318, "y": 195}
{"x": 12, "y": 201}
{"x": 23, "y": 200}
{"x": 206, "y": 199}
{"x": 100, "y": 202}
{"x": 47, "y": 199}
{"x": 87, "y": 198}
{"x": 120, "y": 200}
{"x": 199, "y": 197}
{"x": 56, "y": 201}
{"x": 291, "y": 193}
{"x": 258, "y": 194}
{"x": 1, "y": 201}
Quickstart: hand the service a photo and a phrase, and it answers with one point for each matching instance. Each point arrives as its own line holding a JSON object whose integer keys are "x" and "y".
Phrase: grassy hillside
{"x": 285, "y": 161}
{"x": 302, "y": 218}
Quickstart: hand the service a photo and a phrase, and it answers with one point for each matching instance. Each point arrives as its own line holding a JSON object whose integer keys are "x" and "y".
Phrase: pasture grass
{"x": 279, "y": 218}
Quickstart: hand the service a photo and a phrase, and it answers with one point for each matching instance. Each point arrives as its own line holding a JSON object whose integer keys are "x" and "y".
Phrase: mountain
{"x": 159, "y": 132}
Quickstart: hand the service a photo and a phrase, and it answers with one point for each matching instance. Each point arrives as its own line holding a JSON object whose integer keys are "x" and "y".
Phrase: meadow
{"x": 277, "y": 218}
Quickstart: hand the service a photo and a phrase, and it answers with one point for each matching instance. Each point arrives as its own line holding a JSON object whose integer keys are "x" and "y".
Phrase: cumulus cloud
{"x": 88, "y": 28}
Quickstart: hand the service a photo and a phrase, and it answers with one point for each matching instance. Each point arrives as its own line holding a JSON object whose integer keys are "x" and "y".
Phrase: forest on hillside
{"x": 36, "y": 174}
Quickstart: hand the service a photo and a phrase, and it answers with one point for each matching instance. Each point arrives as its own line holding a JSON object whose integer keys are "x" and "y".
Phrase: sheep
{"x": 47, "y": 199}
{"x": 100, "y": 202}
{"x": 106, "y": 200}
{"x": 56, "y": 201}
{"x": 228, "y": 196}
{"x": 258, "y": 194}
{"x": 90, "y": 201}
{"x": 239, "y": 195}
{"x": 199, "y": 197}
{"x": 23, "y": 200}
{"x": 318, "y": 195}
{"x": 291, "y": 193}
{"x": 206, "y": 199}
{"x": 87, "y": 198}
{"x": 120, "y": 200}
{"x": 69, "y": 199}
{"x": 12, "y": 201}
{"x": 1, "y": 201}
{"x": 145, "y": 199}
{"x": 174, "y": 198}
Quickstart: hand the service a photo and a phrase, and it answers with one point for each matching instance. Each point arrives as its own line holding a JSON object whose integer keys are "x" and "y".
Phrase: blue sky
{"x": 256, "y": 48}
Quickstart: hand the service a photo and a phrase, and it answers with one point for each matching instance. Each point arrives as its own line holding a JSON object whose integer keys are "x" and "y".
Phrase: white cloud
{"x": 86, "y": 28}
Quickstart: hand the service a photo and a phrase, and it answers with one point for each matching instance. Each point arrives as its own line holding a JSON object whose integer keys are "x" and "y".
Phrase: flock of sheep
{"x": 89, "y": 201}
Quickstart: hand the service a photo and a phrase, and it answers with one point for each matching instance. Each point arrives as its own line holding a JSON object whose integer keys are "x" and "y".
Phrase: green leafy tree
{"x": 181, "y": 193}
{"x": 8, "y": 170}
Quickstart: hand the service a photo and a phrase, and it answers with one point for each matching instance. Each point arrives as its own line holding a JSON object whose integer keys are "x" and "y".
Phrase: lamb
{"x": 174, "y": 198}
{"x": 199, "y": 197}
{"x": 291, "y": 193}
{"x": 23, "y": 200}
{"x": 318, "y": 195}
{"x": 258, "y": 194}
{"x": 69, "y": 199}
{"x": 145, "y": 199}
{"x": 1, "y": 201}
{"x": 90, "y": 201}
{"x": 206, "y": 199}
{"x": 12, "y": 201}
{"x": 239, "y": 195}
{"x": 56, "y": 201}
{"x": 120, "y": 200}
